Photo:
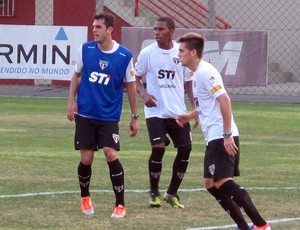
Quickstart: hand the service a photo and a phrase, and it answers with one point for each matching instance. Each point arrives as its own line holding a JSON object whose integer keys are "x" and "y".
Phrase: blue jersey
{"x": 100, "y": 92}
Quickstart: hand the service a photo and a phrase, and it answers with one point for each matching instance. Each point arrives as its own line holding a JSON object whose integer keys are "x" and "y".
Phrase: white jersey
{"x": 208, "y": 85}
{"x": 165, "y": 77}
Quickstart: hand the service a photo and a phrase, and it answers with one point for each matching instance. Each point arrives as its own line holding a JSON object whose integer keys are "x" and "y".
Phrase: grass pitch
{"x": 38, "y": 164}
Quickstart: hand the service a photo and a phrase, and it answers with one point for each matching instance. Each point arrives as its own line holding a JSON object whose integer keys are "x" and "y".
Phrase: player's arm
{"x": 189, "y": 91}
{"x": 74, "y": 84}
{"x": 225, "y": 106}
{"x": 186, "y": 117}
{"x": 132, "y": 97}
{"x": 139, "y": 85}
{"x": 72, "y": 105}
{"x": 141, "y": 67}
{"x": 149, "y": 100}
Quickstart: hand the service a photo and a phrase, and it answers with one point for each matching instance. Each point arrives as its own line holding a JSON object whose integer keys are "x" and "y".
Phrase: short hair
{"x": 109, "y": 19}
{"x": 170, "y": 22}
{"x": 193, "y": 41}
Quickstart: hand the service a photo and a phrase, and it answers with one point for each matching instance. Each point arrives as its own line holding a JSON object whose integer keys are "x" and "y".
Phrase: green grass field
{"x": 38, "y": 164}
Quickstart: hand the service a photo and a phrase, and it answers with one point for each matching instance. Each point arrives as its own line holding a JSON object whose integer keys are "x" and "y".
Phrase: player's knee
{"x": 157, "y": 153}
{"x": 87, "y": 157}
{"x": 208, "y": 183}
{"x": 184, "y": 151}
{"x": 110, "y": 154}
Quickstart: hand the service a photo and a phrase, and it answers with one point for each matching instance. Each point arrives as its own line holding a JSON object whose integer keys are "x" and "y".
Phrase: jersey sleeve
{"x": 141, "y": 64}
{"x": 130, "y": 73}
{"x": 188, "y": 74}
{"x": 214, "y": 83}
{"x": 79, "y": 63}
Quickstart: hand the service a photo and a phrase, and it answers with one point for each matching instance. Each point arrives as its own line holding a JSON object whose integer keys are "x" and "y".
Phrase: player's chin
{"x": 158, "y": 40}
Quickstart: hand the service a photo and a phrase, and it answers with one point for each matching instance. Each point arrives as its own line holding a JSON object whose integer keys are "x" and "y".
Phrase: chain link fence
{"x": 279, "y": 17}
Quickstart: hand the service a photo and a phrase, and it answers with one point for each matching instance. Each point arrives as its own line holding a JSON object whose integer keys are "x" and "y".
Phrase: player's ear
{"x": 110, "y": 29}
{"x": 172, "y": 31}
{"x": 194, "y": 52}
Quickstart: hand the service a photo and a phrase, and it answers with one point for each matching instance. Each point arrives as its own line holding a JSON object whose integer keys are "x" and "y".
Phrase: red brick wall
{"x": 119, "y": 22}
{"x": 74, "y": 13}
{"x": 24, "y": 13}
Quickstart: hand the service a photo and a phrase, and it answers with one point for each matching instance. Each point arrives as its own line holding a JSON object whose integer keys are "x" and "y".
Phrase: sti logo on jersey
{"x": 169, "y": 74}
{"x": 103, "y": 64}
{"x": 101, "y": 78}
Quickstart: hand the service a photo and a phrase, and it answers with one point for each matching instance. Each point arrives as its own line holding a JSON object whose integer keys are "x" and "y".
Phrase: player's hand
{"x": 186, "y": 117}
{"x": 230, "y": 146}
{"x": 133, "y": 127}
{"x": 71, "y": 109}
{"x": 150, "y": 100}
{"x": 182, "y": 119}
{"x": 197, "y": 122}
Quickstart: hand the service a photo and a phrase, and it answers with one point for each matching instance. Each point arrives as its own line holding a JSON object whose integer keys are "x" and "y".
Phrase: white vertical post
{"x": 211, "y": 15}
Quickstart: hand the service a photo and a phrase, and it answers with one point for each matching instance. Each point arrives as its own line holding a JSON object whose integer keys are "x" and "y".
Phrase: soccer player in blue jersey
{"x": 95, "y": 102}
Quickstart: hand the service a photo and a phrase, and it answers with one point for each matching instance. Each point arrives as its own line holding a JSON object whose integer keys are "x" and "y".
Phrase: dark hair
{"x": 170, "y": 22}
{"x": 109, "y": 19}
{"x": 193, "y": 41}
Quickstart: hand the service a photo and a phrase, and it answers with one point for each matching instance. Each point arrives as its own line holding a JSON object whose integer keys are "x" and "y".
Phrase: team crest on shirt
{"x": 212, "y": 80}
{"x": 103, "y": 64}
{"x": 212, "y": 169}
{"x": 116, "y": 137}
{"x": 176, "y": 60}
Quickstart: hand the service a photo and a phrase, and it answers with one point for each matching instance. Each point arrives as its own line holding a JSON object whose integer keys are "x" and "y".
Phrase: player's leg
{"x": 228, "y": 169}
{"x": 242, "y": 198}
{"x": 116, "y": 173}
{"x": 156, "y": 131}
{"x": 181, "y": 137}
{"x": 84, "y": 175}
{"x": 217, "y": 164}
{"x": 108, "y": 139}
{"x": 180, "y": 165}
{"x": 84, "y": 136}
{"x": 85, "y": 171}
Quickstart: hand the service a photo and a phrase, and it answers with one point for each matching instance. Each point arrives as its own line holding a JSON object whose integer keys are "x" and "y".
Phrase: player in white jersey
{"x": 221, "y": 160}
{"x": 95, "y": 103}
{"x": 164, "y": 98}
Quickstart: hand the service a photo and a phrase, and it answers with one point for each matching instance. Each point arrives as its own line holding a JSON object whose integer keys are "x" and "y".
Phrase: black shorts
{"x": 217, "y": 163}
{"x": 91, "y": 134}
{"x": 159, "y": 127}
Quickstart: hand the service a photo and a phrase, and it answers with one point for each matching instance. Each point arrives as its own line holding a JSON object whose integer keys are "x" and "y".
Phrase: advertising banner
{"x": 39, "y": 52}
{"x": 240, "y": 56}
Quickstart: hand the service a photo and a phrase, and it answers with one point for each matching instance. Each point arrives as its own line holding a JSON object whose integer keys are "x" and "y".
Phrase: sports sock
{"x": 242, "y": 198}
{"x": 117, "y": 179}
{"x": 179, "y": 168}
{"x": 230, "y": 207}
{"x": 155, "y": 166}
{"x": 84, "y": 176}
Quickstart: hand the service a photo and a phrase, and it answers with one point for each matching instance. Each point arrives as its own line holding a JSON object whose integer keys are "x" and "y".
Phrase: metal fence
{"x": 279, "y": 17}
{"x": 7, "y": 8}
